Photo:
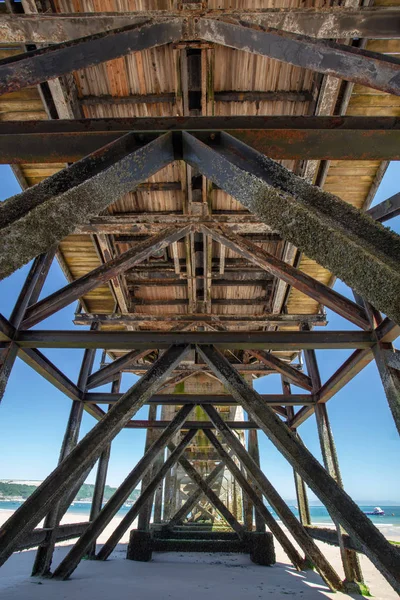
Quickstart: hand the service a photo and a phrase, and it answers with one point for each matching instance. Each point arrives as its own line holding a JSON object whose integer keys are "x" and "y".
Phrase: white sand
{"x": 178, "y": 576}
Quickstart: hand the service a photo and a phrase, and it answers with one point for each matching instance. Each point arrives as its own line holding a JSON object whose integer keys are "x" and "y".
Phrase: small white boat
{"x": 377, "y": 512}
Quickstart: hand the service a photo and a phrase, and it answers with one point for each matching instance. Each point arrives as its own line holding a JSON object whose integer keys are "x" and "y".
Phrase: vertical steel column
{"x": 350, "y": 560}
{"x": 28, "y": 295}
{"x": 254, "y": 451}
{"x": 158, "y": 496}
{"x": 151, "y": 436}
{"x": 384, "y": 354}
{"x": 44, "y": 554}
{"x": 301, "y": 490}
{"x": 101, "y": 476}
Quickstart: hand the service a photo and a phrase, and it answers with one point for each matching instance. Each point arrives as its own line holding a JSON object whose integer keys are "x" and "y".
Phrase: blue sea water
{"x": 319, "y": 514}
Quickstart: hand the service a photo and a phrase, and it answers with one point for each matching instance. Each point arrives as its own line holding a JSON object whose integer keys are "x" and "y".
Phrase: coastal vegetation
{"x": 21, "y": 491}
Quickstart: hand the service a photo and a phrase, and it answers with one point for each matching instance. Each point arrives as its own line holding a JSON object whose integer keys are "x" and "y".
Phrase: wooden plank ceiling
{"x": 190, "y": 76}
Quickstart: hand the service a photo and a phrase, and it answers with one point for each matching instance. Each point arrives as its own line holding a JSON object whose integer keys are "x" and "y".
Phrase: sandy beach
{"x": 178, "y": 576}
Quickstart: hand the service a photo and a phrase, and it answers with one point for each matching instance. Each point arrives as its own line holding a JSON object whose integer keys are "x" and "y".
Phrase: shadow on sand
{"x": 170, "y": 575}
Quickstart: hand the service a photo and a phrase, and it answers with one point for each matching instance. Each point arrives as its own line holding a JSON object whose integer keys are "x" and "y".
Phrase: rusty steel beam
{"x": 79, "y": 287}
{"x": 85, "y": 453}
{"x": 216, "y": 399}
{"x": 294, "y": 277}
{"x": 161, "y": 320}
{"x": 371, "y": 69}
{"x": 108, "y": 372}
{"x": 348, "y": 370}
{"x": 338, "y": 503}
{"x": 280, "y": 137}
{"x": 297, "y": 377}
{"x": 145, "y": 496}
{"x": 145, "y": 424}
{"x": 332, "y": 232}
{"x": 388, "y": 209}
{"x": 126, "y": 340}
{"x": 36, "y": 66}
{"x": 38, "y": 218}
{"x": 363, "y": 22}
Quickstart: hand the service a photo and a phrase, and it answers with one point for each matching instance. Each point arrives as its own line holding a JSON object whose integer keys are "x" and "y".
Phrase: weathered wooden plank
{"x": 374, "y": 70}
{"x": 250, "y": 320}
{"x": 294, "y": 277}
{"x": 36, "y": 66}
{"x": 74, "y": 290}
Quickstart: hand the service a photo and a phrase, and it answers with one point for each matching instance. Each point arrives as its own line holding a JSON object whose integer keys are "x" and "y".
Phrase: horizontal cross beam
{"x": 363, "y": 22}
{"x": 255, "y": 367}
{"x": 145, "y": 424}
{"x": 217, "y": 400}
{"x": 157, "y": 320}
{"x": 226, "y": 96}
{"x": 126, "y": 340}
{"x": 150, "y": 224}
{"x": 281, "y": 137}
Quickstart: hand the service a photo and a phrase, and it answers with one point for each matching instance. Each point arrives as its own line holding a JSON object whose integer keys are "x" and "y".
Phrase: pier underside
{"x": 202, "y": 175}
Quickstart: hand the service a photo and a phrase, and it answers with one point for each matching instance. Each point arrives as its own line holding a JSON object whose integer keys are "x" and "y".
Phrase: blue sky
{"x": 33, "y": 413}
